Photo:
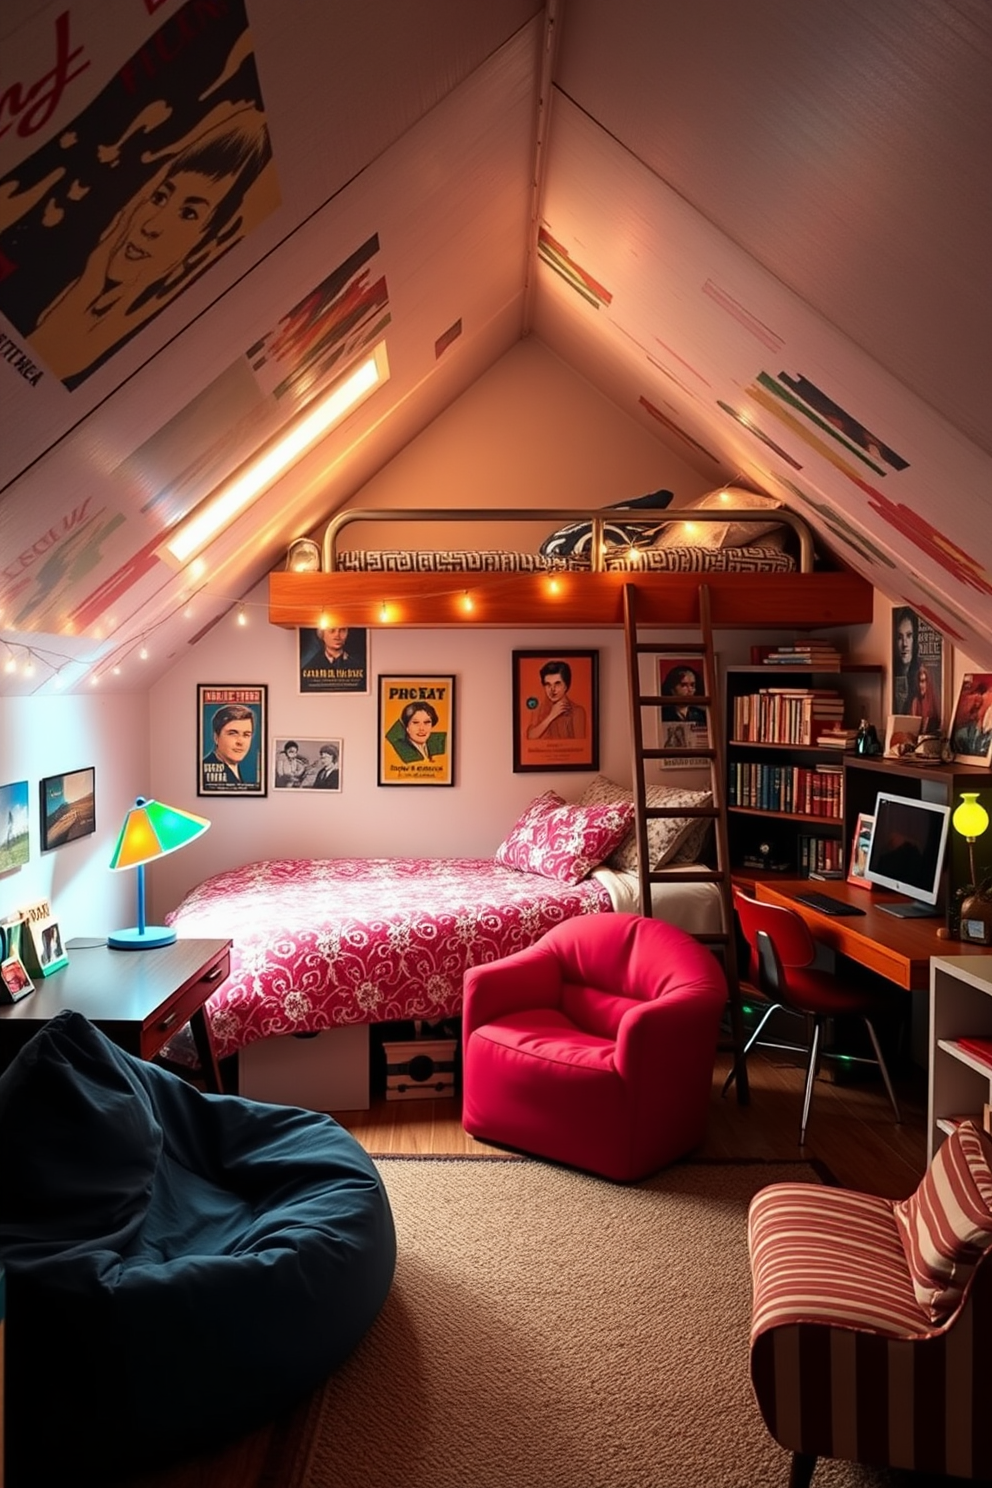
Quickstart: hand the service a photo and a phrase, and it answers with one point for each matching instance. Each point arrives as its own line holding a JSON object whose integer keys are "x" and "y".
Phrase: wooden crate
{"x": 420, "y": 1069}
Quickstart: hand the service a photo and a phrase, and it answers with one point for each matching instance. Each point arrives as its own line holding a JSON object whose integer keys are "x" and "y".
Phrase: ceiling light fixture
{"x": 283, "y": 451}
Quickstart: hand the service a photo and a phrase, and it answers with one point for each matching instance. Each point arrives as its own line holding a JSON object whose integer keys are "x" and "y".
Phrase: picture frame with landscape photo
{"x": 860, "y": 843}
{"x": 970, "y": 733}
{"x": 14, "y": 834}
{"x": 68, "y": 807}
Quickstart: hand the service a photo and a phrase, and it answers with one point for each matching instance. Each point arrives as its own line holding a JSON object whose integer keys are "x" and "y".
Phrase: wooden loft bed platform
{"x": 591, "y": 596}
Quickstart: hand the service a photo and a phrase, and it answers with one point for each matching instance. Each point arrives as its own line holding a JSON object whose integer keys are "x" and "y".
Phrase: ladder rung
{"x": 697, "y": 753}
{"x": 668, "y": 648}
{"x": 659, "y": 700}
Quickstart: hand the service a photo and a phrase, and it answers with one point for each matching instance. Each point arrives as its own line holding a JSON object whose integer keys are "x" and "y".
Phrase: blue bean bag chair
{"x": 180, "y": 1267}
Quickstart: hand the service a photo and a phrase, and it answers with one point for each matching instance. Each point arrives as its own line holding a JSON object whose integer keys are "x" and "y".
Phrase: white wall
{"x": 49, "y": 736}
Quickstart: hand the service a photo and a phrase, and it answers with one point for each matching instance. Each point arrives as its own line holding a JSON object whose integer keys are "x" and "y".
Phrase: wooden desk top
{"x": 897, "y": 949}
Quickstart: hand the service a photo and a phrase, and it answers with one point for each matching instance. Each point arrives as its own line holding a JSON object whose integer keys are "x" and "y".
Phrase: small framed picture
{"x": 555, "y": 710}
{"x": 13, "y": 825}
{"x": 921, "y": 670}
{"x": 333, "y": 660}
{"x": 682, "y": 724}
{"x": 971, "y": 725}
{"x": 231, "y": 731}
{"x": 859, "y": 851}
{"x": 901, "y": 733}
{"x": 68, "y": 807}
{"x": 45, "y": 949}
{"x": 14, "y": 980}
{"x": 416, "y": 730}
{"x": 300, "y": 764}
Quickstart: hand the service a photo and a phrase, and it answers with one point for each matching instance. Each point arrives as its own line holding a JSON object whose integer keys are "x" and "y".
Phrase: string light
{"x": 242, "y": 617}
{"x": 384, "y": 613}
{"x": 468, "y": 604}
{"x": 143, "y": 653}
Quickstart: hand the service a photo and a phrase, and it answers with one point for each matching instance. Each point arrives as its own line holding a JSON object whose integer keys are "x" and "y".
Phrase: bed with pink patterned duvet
{"x": 318, "y": 943}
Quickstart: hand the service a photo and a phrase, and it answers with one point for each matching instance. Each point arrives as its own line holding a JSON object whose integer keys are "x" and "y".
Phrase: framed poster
{"x": 555, "y": 710}
{"x": 333, "y": 660}
{"x": 231, "y": 724}
{"x": 14, "y": 843}
{"x": 416, "y": 730}
{"x": 860, "y": 844}
{"x": 68, "y": 807}
{"x": 921, "y": 669}
{"x": 682, "y": 723}
{"x": 300, "y": 764}
{"x": 971, "y": 724}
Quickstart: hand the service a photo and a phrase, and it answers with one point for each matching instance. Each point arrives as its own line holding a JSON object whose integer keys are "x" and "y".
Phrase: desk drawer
{"x": 170, "y": 1017}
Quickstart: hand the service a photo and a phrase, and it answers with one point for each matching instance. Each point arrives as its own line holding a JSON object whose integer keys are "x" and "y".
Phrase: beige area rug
{"x": 551, "y": 1330}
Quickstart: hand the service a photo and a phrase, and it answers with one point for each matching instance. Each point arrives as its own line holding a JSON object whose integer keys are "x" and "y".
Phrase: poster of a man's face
{"x": 335, "y": 659}
{"x": 232, "y": 749}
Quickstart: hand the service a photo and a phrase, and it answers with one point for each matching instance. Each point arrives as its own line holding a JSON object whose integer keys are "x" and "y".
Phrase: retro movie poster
{"x": 555, "y": 710}
{"x": 125, "y": 203}
{"x": 306, "y": 764}
{"x": 231, "y": 726}
{"x": 334, "y": 660}
{"x": 920, "y": 670}
{"x": 416, "y": 730}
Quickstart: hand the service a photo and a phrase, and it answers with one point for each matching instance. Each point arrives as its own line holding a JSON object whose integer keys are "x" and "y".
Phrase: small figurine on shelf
{"x": 867, "y": 742}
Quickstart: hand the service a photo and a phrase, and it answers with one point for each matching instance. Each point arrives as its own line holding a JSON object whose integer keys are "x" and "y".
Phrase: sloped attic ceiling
{"x": 761, "y": 230}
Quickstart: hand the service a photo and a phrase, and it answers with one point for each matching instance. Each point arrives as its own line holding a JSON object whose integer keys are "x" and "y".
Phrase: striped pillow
{"x": 947, "y": 1223}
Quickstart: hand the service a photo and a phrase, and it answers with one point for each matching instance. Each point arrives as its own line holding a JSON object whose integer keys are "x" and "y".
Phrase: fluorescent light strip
{"x": 221, "y": 509}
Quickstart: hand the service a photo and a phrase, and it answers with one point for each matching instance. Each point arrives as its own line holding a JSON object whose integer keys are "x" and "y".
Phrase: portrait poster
{"x": 416, "y": 730}
{"x": 920, "y": 670}
{"x": 120, "y": 207}
{"x": 305, "y": 764}
{"x": 333, "y": 660}
{"x": 555, "y": 710}
{"x": 231, "y": 734}
{"x": 68, "y": 807}
{"x": 682, "y": 724}
{"x": 14, "y": 843}
{"x": 971, "y": 724}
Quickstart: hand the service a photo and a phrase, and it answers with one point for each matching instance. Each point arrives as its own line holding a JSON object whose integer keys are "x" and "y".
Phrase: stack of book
{"x": 820, "y": 656}
{"x": 837, "y": 738}
{"x": 787, "y": 715}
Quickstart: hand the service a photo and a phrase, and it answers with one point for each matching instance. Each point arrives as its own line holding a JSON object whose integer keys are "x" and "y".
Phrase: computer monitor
{"x": 908, "y": 841}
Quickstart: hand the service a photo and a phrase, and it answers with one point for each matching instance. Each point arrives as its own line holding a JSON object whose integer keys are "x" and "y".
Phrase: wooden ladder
{"x": 723, "y": 942}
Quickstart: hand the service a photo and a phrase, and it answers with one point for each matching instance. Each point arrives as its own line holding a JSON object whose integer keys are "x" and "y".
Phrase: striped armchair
{"x": 871, "y": 1336}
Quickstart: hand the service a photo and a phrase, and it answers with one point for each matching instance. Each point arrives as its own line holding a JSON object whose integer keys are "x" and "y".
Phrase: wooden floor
{"x": 852, "y": 1130}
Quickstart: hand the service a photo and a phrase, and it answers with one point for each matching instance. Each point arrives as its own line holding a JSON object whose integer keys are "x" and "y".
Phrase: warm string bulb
{"x": 383, "y": 612}
{"x": 468, "y": 603}
{"x": 242, "y": 617}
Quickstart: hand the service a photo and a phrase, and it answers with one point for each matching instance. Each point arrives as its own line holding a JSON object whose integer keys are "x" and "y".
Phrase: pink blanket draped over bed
{"x": 323, "y": 942}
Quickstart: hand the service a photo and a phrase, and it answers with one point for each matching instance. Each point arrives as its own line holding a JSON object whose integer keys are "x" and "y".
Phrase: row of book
{"x": 821, "y": 856}
{"x": 795, "y": 789}
{"x": 821, "y": 656}
{"x": 785, "y": 715}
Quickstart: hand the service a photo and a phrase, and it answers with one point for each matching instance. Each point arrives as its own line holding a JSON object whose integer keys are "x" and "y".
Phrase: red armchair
{"x": 595, "y": 1046}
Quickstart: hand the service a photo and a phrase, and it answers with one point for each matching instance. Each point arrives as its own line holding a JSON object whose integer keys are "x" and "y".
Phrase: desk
{"x": 899, "y": 950}
{"x": 137, "y": 998}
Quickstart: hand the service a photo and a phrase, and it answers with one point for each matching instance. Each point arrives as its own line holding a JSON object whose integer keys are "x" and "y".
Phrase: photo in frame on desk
{"x": 860, "y": 845}
{"x": 14, "y": 980}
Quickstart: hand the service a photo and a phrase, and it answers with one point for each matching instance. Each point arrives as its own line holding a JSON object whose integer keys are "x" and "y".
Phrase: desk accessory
{"x": 151, "y": 830}
{"x": 970, "y": 820}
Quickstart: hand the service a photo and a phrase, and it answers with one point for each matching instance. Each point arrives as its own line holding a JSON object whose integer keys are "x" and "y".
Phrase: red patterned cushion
{"x": 947, "y": 1223}
{"x": 563, "y": 841}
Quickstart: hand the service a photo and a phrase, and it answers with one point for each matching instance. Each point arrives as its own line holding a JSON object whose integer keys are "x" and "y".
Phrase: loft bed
{"x": 764, "y": 583}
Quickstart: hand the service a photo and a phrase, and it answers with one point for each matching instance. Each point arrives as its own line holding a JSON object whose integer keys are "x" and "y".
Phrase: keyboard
{"x": 826, "y": 905}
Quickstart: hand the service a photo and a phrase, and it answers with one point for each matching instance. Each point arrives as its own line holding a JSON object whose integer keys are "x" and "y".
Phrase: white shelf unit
{"x": 960, "y": 1007}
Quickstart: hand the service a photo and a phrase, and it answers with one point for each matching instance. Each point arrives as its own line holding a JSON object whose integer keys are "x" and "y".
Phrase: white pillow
{"x": 669, "y": 837}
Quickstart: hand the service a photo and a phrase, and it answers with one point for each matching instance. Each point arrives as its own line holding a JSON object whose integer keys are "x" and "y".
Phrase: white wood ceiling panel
{"x": 846, "y": 146}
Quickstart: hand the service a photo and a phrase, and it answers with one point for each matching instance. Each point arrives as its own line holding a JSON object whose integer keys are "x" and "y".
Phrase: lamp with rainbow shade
{"x": 150, "y": 830}
{"x": 970, "y": 820}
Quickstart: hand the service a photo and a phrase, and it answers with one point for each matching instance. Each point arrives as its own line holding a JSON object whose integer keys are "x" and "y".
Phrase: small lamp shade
{"x": 970, "y": 819}
{"x": 150, "y": 831}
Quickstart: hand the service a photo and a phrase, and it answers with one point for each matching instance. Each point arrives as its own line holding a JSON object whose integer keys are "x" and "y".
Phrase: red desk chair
{"x": 782, "y": 952}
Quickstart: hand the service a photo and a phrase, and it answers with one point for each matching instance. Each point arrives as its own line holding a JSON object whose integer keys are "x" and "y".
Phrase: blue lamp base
{"x": 141, "y": 939}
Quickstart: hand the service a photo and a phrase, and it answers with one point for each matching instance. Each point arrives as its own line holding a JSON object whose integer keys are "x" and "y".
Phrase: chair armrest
{"x": 527, "y": 979}
{"x": 655, "y": 1038}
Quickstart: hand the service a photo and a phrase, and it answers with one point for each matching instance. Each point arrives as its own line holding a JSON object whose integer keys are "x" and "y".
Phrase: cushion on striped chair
{"x": 947, "y": 1223}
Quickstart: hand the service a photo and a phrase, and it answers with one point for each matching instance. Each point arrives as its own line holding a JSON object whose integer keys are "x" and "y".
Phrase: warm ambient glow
{"x": 315, "y": 421}
{"x": 150, "y": 831}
